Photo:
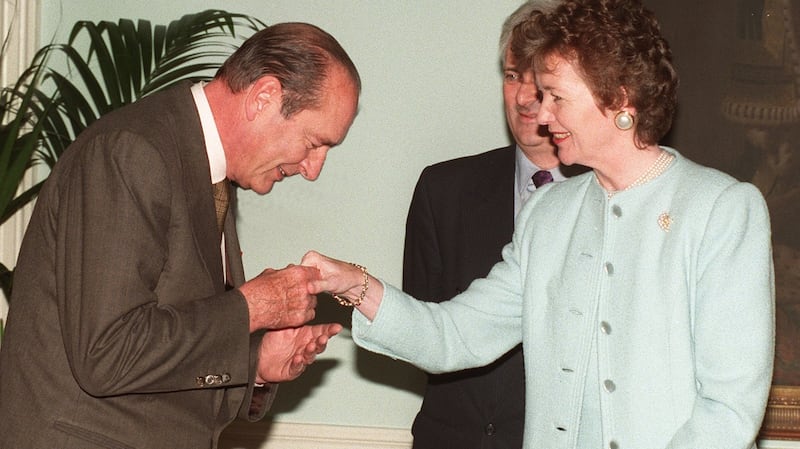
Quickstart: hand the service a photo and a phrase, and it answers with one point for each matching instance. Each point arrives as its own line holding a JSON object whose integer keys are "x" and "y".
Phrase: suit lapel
{"x": 197, "y": 184}
{"x": 493, "y": 197}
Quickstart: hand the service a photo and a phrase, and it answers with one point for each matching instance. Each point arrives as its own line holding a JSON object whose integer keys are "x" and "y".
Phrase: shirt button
{"x": 609, "y": 386}
{"x": 605, "y": 328}
{"x": 489, "y": 430}
{"x": 613, "y": 445}
{"x": 609, "y": 268}
{"x": 617, "y": 211}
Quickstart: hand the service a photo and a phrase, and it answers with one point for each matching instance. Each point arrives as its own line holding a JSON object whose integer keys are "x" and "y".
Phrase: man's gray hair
{"x": 519, "y": 16}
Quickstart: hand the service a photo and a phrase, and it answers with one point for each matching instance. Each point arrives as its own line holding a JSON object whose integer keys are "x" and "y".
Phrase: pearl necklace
{"x": 659, "y": 166}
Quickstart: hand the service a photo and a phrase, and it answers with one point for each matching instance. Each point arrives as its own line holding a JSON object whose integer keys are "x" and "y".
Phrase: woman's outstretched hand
{"x": 344, "y": 279}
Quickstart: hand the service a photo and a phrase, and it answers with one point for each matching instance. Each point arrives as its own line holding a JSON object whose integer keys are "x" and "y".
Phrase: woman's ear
{"x": 624, "y": 104}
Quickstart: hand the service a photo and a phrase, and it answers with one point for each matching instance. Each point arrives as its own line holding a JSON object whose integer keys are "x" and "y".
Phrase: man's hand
{"x": 284, "y": 354}
{"x": 278, "y": 299}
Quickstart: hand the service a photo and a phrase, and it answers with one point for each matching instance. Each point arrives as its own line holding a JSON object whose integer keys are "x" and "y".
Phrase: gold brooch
{"x": 665, "y": 221}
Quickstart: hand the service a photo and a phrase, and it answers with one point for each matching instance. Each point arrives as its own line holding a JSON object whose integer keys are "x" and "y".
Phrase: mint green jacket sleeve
{"x": 407, "y": 326}
{"x": 733, "y": 324}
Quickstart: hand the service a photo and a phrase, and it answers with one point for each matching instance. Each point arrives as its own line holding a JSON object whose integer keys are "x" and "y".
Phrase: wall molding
{"x": 278, "y": 435}
{"x": 778, "y": 444}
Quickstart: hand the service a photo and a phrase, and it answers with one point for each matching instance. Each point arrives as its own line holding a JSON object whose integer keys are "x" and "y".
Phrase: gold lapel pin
{"x": 665, "y": 221}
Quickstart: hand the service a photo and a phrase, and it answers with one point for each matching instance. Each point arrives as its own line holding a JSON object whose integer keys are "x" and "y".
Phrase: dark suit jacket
{"x": 119, "y": 313}
{"x": 461, "y": 216}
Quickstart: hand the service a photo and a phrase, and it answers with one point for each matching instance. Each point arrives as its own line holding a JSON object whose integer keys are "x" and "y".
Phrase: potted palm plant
{"x": 20, "y": 138}
{"x": 103, "y": 66}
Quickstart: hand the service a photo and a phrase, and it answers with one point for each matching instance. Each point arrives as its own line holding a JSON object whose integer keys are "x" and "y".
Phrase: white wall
{"x": 431, "y": 91}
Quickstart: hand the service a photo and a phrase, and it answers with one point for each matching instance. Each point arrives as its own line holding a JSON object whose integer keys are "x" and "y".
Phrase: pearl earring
{"x": 623, "y": 120}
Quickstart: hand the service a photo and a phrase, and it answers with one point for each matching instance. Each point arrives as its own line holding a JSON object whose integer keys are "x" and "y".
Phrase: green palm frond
{"x": 109, "y": 65}
{"x": 20, "y": 138}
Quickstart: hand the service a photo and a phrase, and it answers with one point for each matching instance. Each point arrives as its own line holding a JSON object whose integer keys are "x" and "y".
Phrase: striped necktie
{"x": 221, "y": 201}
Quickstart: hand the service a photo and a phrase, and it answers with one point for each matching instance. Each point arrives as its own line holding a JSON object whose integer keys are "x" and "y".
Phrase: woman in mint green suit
{"x": 642, "y": 291}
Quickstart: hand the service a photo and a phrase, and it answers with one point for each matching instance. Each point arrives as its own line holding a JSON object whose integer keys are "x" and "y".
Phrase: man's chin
{"x": 263, "y": 189}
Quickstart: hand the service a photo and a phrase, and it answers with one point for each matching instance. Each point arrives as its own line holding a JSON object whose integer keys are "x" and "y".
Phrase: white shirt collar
{"x": 216, "y": 155}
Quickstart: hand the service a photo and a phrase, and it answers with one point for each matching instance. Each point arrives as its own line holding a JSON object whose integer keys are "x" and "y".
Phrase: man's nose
{"x": 528, "y": 95}
{"x": 311, "y": 166}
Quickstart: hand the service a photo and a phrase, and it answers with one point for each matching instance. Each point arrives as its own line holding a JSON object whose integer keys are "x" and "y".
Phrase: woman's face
{"x": 580, "y": 129}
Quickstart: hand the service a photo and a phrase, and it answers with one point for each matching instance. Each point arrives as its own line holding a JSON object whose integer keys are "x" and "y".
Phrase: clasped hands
{"x": 283, "y": 301}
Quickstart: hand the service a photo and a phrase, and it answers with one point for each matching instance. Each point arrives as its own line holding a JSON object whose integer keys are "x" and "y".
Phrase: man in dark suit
{"x": 461, "y": 215}
{"x": 131, "y": 324}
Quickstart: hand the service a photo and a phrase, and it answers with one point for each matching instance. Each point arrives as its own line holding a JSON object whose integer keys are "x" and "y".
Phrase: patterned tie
{"x": 221, "y": 201}
{"x": 541, "y": 178}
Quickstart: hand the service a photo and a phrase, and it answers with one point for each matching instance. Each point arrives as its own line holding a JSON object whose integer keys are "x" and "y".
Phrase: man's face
{"x": 521, "y": 100}
{"x": 283, "y": 147}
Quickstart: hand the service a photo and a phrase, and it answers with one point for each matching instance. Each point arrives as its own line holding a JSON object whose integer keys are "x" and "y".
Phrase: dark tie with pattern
{"x": 541, "y": 178}
{"x": 221, "y": 201}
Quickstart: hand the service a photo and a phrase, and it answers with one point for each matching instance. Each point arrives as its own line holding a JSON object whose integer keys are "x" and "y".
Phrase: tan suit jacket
{"x": 121, "y": 333}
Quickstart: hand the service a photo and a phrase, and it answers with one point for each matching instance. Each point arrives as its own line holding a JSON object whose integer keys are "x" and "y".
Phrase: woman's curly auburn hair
{"x": 617, "y": 47}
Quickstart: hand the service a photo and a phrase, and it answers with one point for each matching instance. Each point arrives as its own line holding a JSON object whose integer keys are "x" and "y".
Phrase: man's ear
{"x": 264, "y": 96}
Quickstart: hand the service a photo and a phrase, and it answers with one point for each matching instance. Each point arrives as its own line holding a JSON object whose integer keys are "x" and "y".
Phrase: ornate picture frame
{"x": 782, "y": 420}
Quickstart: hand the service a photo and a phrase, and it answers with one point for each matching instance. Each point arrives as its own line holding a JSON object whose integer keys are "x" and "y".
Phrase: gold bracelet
{"x": 349, "y": 302}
